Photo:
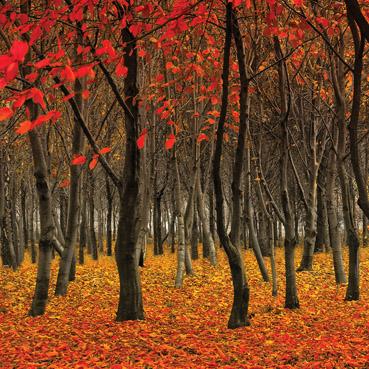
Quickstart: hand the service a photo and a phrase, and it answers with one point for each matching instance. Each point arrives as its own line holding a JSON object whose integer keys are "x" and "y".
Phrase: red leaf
{"x": 5, "y": 60}
{"x": 5, "y": 113}
{"x": 202, "y": 137}
{"x": 322, "y": 21}
{"x": 38, "y": 97}
{"x": 36, "y": 34}
{"x": 169, "y": 143}
{"x": 298, "y": 3}
{"x": 31, "y": 77}
{"x": 68, "y": 74}
{"x": 42, "y": 63}
{"x": 86, "y": 70}
{"x": 105, "y": 150}
{"x": 19, "y": 50}
{"x": 78, "y": 160}
{"x": 43, "y": 118}
{"x": 11, "y": 71}
{"x": 93, "y": 163}
{"x": 141, "y": 140}
{"x": 121, "y": 70}
{"x": 24, "y": 127}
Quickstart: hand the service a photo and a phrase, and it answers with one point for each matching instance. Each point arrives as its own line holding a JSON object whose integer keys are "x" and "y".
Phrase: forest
{"x": 184, "y": 184}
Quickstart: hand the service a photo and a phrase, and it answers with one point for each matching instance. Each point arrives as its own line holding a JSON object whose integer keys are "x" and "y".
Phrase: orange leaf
{"x": 93, "y": 163}
{"x": 202, "y": 137}
{"x": 105, "y": 150}
{"x": 24, "y": 127}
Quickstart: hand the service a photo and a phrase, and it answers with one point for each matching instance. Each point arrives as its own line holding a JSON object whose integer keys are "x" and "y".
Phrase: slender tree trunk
{"x": 24, "y": 214}
{"x": 334, "y": 234}
{"x": 291, "y": 299}
{"x": 195, "y": 236}
{"x": 241, "y": 292}
{"x": 181, "y": 251}
{"x": 352, "y": 292}
{"x": 250, "y": 218}
{"x": 67, "y": 261}
{"x": 32, "y": 228}
{"x": 82, "y": 229}
{"x": 158, "y": 249}
{"x": 109, "y": 215}
{"x": 91, "y": 208}
{"x": 208, "y": 241}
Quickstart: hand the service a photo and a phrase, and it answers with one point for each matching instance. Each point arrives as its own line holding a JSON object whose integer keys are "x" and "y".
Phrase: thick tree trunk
{"x": 130, "y": 306}
{"x": 47, "y": 235}
{"x": 241, "y": 142}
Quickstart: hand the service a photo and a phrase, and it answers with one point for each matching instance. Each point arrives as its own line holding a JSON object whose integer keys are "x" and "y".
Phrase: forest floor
{"x": 185, "y": 328}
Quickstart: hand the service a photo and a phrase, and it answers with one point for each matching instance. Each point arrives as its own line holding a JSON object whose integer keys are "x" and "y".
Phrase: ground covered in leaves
{"x": 184, "y": 328}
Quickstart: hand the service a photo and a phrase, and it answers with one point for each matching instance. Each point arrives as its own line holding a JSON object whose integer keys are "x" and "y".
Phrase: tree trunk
{"x": 66, "y": 271}
{"x": 8, "y": 253}
{"x": 250, "y": 218}
{"x": 238, "y": 317}
{"x": 109, "y": 199}
{"x": 291, "y": 299}
{"x": 82, "y": 229}
{"x": 130, "y": 306}
{"x": 47, "y": 232}
{"x": 181, "y": 251}
{"x": 208, "y": 241}
{"x": 91, "y": 208}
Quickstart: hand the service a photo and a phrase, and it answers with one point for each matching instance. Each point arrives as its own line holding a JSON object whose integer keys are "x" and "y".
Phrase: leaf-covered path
{"x": 184, "y": 328}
